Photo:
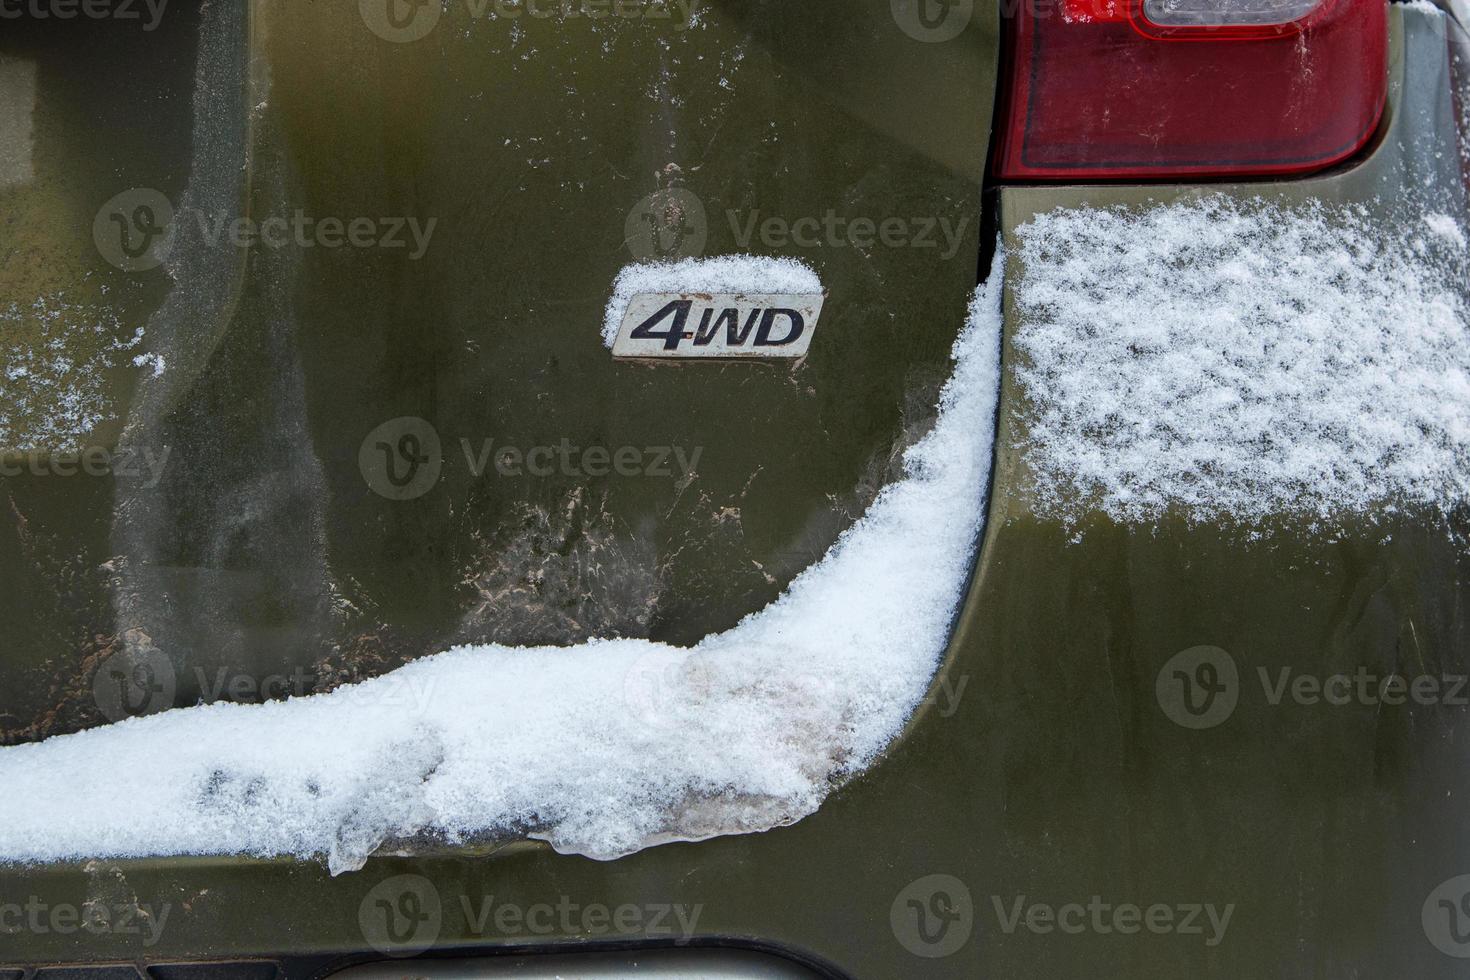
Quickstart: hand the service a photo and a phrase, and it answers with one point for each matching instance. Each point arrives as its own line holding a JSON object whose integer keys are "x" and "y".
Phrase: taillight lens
{"x": 1163, "y": 88}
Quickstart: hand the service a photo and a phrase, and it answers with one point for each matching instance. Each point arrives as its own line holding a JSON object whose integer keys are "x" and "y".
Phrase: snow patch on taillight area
{"x": 601, "y": 749}
{"x": 1240, "y": 361}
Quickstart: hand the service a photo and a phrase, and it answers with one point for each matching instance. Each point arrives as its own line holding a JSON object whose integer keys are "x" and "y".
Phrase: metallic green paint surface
{"x": 499, "y": 168}
{"x": 1052, "y": 776}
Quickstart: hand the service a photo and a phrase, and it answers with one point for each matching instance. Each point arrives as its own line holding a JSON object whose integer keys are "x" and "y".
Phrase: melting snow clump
{"x": 1236, "y": 361}
{"x": 600, "y": 749}
{"x": 725, "y": 274}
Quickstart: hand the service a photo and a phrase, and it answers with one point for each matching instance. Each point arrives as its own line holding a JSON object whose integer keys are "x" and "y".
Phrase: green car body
{"x": 258, "y": 552}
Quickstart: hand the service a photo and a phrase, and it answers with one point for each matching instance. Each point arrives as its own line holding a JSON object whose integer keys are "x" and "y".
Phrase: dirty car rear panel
{"x": 1051, "y": 778}
{"x": 500, "y": 165}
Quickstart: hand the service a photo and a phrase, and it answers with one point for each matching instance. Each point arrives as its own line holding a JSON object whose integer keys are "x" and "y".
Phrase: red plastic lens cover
{"x": 1099, "y": 91}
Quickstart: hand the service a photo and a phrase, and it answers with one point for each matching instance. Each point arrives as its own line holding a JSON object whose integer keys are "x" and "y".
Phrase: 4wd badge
{"x": 718, "y": 325}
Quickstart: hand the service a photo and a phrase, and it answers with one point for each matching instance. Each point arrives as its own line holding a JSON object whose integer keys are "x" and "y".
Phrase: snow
{"x": 57, "y": 354}
{"x": 154, "y": 361}
{"x": 600, "y": 749}
{"x": 1235, "y": 361}
{"x": 1445, "y": 227}
{"x": 724, "y": 274}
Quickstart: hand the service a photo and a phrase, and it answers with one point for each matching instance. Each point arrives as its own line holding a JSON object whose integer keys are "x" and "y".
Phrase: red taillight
{"x": 1163, "y": 88}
